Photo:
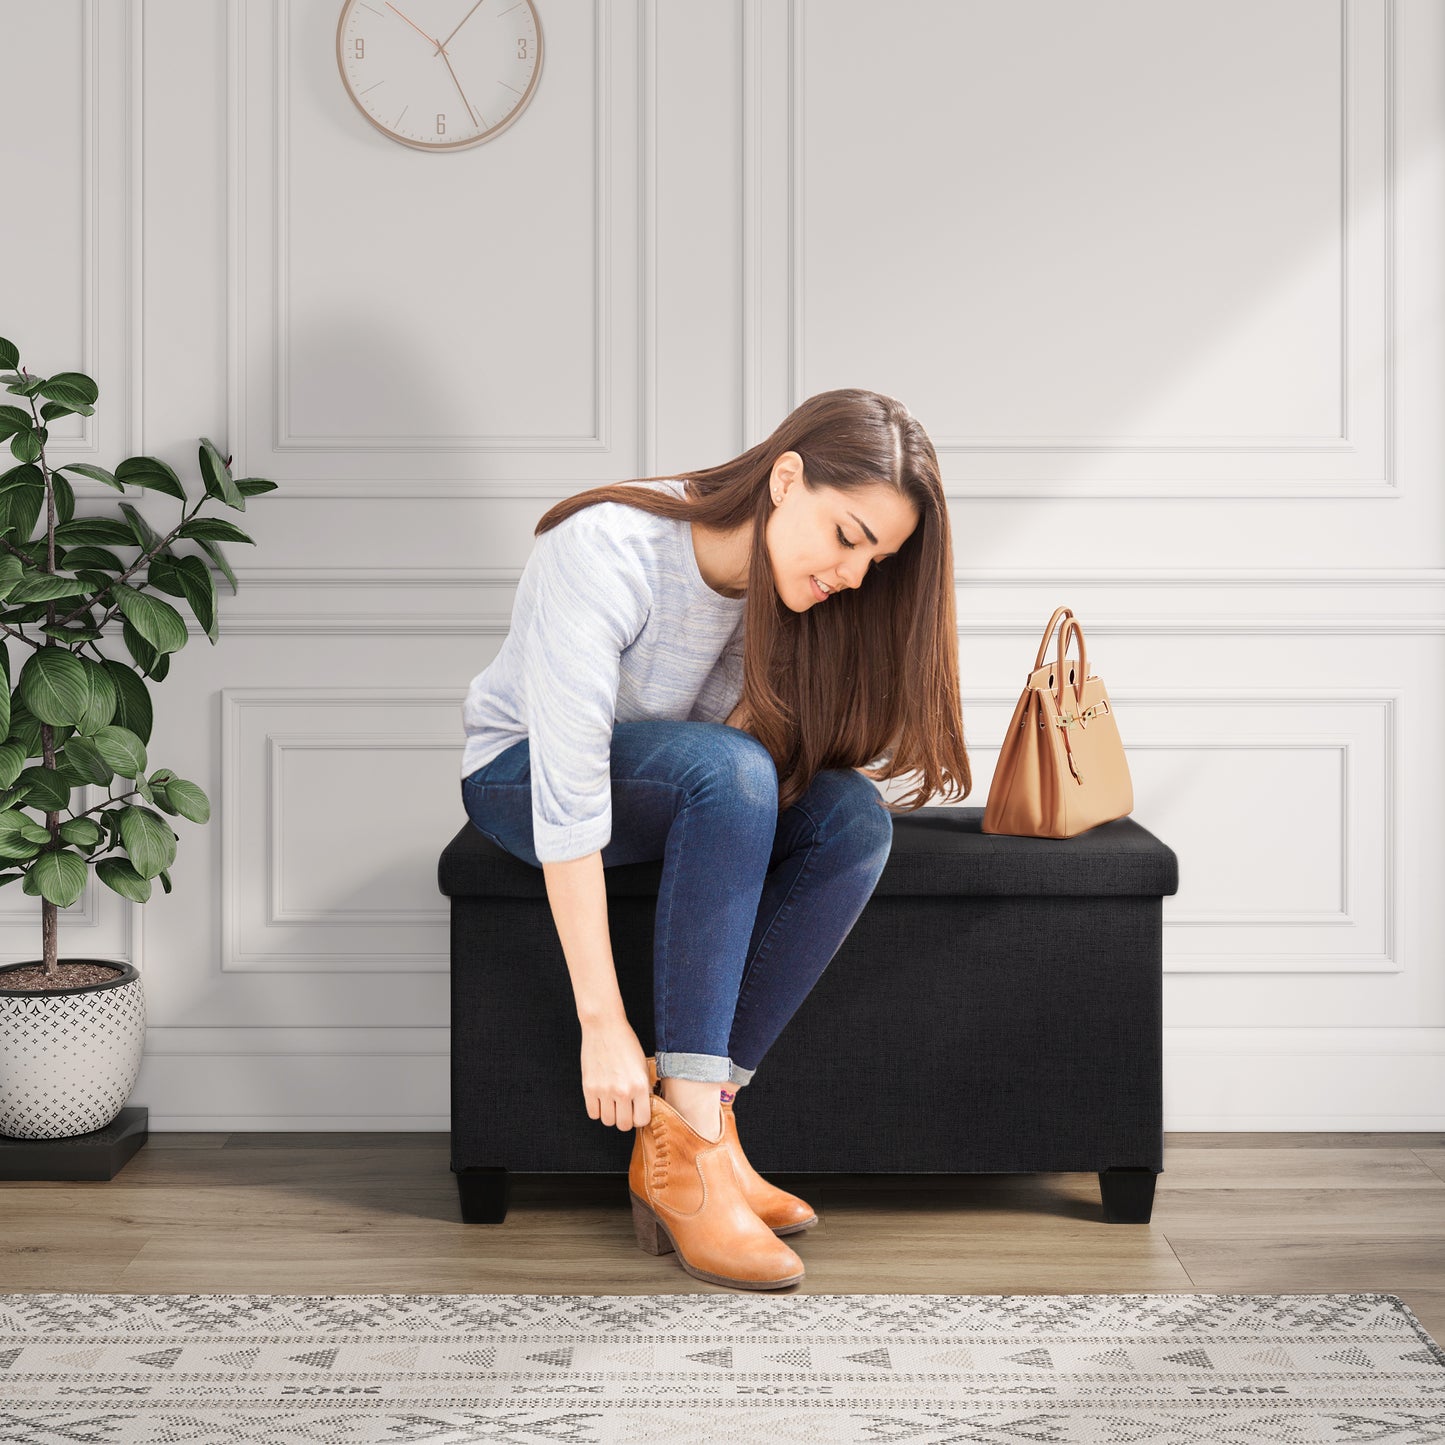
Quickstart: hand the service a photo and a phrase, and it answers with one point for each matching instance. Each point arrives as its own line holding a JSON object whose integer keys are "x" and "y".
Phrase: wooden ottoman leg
{"x": 483, "y": 1191}
{"x": 1128, "y": 1194}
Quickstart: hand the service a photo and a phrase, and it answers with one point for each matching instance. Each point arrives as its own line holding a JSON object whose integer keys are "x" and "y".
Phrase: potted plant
{"x": 72, "y": 1032}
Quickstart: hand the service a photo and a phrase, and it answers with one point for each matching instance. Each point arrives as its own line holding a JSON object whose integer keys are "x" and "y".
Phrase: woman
{"x": 641, "y": 708}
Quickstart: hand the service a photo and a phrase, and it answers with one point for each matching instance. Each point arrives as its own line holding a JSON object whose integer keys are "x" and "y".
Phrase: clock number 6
{"x": 441, "y": 122}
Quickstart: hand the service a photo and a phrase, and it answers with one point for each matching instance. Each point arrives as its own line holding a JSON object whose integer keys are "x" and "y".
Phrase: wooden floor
{"x": 378, "y": 1213}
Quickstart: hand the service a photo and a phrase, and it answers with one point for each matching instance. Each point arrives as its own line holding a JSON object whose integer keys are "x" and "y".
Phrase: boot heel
{"x": 650, "y": 1234}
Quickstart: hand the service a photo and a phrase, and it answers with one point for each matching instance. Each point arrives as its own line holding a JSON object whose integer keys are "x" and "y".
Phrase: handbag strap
{"x": 1044, "y": 640}
{"x": 1072, "y": 625}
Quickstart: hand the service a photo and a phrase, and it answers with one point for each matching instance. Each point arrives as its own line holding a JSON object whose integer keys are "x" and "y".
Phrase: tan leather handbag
{"x": 1061, "y": 768}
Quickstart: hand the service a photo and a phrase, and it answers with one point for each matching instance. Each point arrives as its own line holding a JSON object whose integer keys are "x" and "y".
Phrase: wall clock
{"x": 439, "y": 75}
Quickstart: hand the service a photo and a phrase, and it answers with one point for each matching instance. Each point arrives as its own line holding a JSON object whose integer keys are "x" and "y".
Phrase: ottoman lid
{"x": 936, "y": 850}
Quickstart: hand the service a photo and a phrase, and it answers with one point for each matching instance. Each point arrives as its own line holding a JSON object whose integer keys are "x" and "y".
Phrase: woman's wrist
{"x": 603, "y": 1016}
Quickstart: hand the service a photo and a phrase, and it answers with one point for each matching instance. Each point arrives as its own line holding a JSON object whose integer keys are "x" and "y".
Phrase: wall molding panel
{"x": 353, "y": 464}
{"x": 1357, "y": 461}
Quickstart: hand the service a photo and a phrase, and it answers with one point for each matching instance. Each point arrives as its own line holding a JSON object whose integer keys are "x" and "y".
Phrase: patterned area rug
{"x": 1167, "y": 1369}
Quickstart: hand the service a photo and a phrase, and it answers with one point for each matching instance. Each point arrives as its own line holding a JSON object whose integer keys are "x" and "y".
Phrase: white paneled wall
{"x": 1162, "y": 282}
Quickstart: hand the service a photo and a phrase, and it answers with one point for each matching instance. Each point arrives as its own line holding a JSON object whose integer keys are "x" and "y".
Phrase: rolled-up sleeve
{"x": 586, "y": 598}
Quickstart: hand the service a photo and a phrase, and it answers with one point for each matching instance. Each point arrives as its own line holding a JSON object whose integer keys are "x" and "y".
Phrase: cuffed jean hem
{"x": 703, "y": 1068}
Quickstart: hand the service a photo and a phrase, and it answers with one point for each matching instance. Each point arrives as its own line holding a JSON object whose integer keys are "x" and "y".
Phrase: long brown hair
{"x": 874, "y": 673}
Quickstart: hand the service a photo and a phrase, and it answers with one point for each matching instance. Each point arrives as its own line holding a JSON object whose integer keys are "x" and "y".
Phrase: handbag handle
{"x": 1044, "y": 640}
{"x": 1072, "y": 625}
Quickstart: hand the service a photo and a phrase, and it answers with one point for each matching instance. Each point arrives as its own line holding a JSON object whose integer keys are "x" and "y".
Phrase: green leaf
{"x": 27, "y": 444}
{"x": 96, "y": 474}
{"x": 133, "y": 701}
{"x": 200, "y": 590}
{"x": 254, "y": 486}
{"x": 43, "y": 788}
{"x": 45, "y": 587}
{"x": 58, "y": 876}
{"x": 85, "y": 559}
{"x": 219, "y": 558}
{"x": 163, "y": 574}
{"x": 188, "y": 800}
{"x": 34, "y": 830}
{"x": 27, "y": 474}
{"x": 71, "y": 388}
{"x": 20, "y": 506}
{"x": 158, "y": 622}
{"x": 96, "y": 530}
{"x": 14, "y": 419}
{"x": 122, "y": 750}
{"x": 148, "y": 839}
{"x": 72, "y": 631}
{"x": 13, "y": 843}
{"x": 24, "y": 729}
{"x": 101, "y": 703}
{"x": 218, "y": 478}
{"x": 146, "y": 537}
{"x": 164, "y": 876}
{"x": 54, "y": 686}
{"x": 150, "y": 472}
{"x": 64, "y": 499}
{"x": 146, "y": 657}
{"x": 83, "y": 832}
{"x": 12, "y": 759}
{"x": 52, "y": 409}
{"x": 117, "y": 873}
{"x": 214, "y": 529}
{"x": 9, "y": 354}
{"x": 85, "y": 759}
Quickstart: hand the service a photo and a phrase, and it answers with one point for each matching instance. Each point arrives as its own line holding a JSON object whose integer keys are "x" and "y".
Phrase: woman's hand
{"x": 614, "y": 1075}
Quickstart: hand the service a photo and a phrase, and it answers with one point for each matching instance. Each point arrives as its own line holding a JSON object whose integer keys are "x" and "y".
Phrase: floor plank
{"x": 339, "y": 1213}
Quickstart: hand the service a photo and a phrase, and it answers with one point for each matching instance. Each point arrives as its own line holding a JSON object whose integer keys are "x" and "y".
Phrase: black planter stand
{"x": 101, "y": 1154}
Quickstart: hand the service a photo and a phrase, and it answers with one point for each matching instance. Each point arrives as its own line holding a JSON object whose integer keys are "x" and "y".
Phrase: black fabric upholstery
{"x": 997, "y": 1008}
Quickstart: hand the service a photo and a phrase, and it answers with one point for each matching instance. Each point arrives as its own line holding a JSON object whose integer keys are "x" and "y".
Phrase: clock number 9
{"x": 360, "y": 45}
{"x": 521, "y": 47}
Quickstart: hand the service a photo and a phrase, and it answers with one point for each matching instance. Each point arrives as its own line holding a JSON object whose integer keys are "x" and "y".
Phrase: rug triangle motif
{"x": 317, "y": 1359}
{"x": 877, "y": 1357}
{"x": 1190, "y": 1357}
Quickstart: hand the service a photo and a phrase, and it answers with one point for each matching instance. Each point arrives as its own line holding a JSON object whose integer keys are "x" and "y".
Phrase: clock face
{"x": 439, "y": 74}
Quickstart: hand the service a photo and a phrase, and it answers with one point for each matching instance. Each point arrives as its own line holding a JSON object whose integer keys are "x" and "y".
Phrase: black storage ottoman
{"x": 995, "y": 1009}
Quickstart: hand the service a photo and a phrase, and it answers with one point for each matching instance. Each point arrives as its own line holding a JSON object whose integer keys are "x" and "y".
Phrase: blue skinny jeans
{"x": 753, "y": 904}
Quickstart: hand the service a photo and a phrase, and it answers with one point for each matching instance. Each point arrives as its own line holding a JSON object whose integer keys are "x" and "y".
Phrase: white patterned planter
{"x": 69, "y": 1057}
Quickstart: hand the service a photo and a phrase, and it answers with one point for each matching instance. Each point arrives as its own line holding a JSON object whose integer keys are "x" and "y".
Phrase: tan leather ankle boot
{"x": 686, "y": 1197}
{"x": 782, "y": 1212}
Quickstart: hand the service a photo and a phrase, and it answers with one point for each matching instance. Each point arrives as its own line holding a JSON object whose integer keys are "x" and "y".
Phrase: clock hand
{"x": 460, "y": 91}
{"x": 418, "y": 28}
{"x": 459, "y": 25}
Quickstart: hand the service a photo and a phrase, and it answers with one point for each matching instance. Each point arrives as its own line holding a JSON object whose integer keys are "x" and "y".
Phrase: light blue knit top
{"x": 612, "y": 622}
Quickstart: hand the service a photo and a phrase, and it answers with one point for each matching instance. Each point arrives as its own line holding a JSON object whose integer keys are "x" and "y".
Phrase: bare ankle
{"x": 698, "y": 1102}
